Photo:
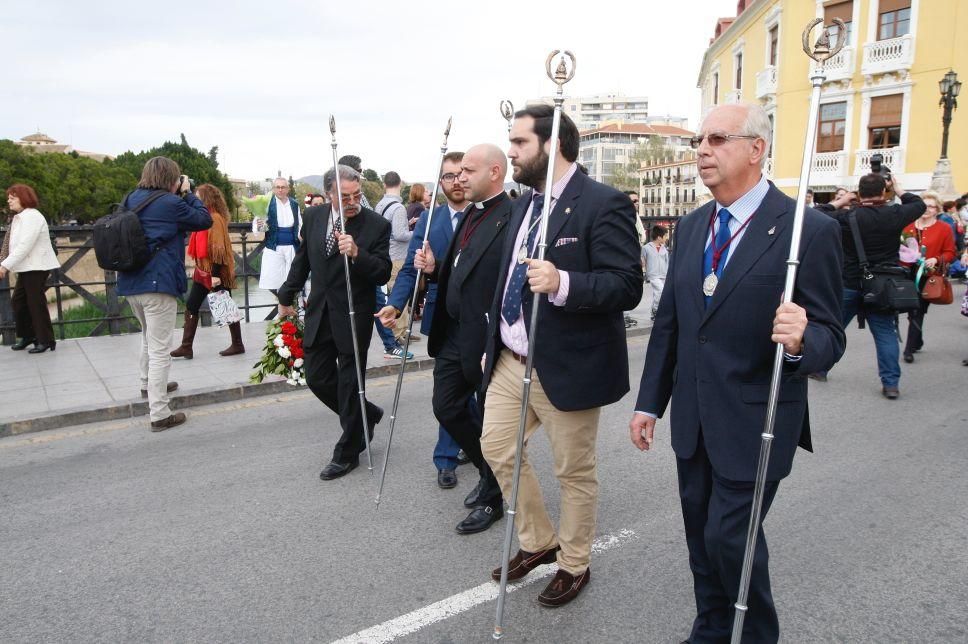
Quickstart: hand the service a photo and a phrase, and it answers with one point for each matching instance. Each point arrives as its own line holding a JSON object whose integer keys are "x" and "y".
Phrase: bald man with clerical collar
{"x": 466, "y": 278}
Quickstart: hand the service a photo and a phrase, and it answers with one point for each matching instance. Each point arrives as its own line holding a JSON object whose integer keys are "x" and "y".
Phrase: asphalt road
{"x": 221, "y": 530}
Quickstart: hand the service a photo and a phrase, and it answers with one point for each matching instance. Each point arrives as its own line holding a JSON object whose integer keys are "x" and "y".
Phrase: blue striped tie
{"x": 511, "y": 307}
{"x": 722, "y": 238}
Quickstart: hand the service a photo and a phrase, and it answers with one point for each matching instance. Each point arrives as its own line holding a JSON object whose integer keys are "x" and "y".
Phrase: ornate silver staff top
{"x": 821, "y": 52}
{"x": 507, "y": 111}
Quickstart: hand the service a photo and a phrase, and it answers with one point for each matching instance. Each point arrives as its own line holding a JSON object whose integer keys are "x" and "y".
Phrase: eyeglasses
{"x": 353, "y": 198}
{"x": 716, "y": 140}
{"x": 450, "y": 177}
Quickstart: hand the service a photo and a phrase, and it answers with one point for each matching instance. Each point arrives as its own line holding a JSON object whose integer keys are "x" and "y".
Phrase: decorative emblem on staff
{"x": 507, "y": 111}
{"x": 349, "y": 295}
{"x": 821, "y": 53}
{"x": 413, "y": 307}
{"x": 562, "y": 74}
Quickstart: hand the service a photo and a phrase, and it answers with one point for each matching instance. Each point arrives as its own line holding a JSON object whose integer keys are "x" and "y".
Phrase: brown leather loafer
{"x": 170, "y": 387}
{"x": 563, "y": 588}
{"x": 174, "y": 420}
{"x": 524, "y": 562}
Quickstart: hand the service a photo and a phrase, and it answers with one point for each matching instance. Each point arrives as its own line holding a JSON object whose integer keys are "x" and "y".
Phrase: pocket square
{"x": 563, "y": 241}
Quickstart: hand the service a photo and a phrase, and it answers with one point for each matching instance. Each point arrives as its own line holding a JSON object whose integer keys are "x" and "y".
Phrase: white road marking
{"x": 461, "y": 602}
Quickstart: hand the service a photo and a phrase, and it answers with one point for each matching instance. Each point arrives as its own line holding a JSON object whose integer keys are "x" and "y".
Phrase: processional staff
{"x": 413, "y": 307}
{"x": 561, "y": 75}
{"x": 821, "y": 53}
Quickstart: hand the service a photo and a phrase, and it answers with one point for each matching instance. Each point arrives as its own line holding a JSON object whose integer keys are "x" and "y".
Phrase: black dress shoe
{"x": 463, "y": 458}
{"x": 908, "y": 357}
{"x": 473, "y": 498}
{"x": 23, "y": 343}
{"x": 40, "y": 347}
{"x": 480, "y": 519}
{"x": 335, "y": 470}
{"x": 447, "y": 479}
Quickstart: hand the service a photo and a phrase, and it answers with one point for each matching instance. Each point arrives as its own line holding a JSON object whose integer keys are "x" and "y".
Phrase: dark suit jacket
{"x": 327, "y": 300}
{"x": 440, "y": 234}
{"x": 475, "y": 277}
{"x": 715, "y": 363}
{"x": 580, "y": 353}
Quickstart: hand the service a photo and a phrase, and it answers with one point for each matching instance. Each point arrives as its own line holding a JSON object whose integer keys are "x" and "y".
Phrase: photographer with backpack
{"x": 153, "y": 288}
{"x": 877, "y": 224}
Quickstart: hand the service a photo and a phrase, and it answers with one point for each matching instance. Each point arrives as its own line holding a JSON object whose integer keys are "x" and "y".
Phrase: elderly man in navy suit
{"x": 590, "y": 275}
{"x": 711, "y": 353}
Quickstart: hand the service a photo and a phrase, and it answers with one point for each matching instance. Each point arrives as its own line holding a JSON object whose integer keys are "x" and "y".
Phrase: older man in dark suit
{"x": 711, "y": 353}
{"x": 589, "y": 276}
{"x": 327, "y": 340}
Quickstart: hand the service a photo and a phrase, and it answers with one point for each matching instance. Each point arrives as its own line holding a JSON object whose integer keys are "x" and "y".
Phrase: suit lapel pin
{"x": 771, "y": 230}
{"x": 567, "y": 211}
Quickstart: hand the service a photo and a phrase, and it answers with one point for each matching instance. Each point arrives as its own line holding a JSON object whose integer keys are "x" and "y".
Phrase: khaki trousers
{"x": 572, "y": 435}
{"x": 403, "y": 322}
{"x": 156, "y": 312}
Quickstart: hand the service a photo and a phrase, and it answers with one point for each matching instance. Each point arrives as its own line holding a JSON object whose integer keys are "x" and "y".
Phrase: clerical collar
{"x": 490, "y": 201}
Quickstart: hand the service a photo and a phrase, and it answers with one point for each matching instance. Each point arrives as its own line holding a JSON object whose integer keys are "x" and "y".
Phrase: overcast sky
{"x": 259, "y": 80}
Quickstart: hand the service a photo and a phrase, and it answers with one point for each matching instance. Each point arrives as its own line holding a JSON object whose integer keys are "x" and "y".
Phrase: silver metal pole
{"x": 349, "y": 298}
{"x": 821, "y": 52}
{"x": 561, "y": 76}
{"x": 413, "y": 308}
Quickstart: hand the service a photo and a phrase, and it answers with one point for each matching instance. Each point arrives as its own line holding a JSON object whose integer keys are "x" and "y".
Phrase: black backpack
{"x": 119, "y": 239}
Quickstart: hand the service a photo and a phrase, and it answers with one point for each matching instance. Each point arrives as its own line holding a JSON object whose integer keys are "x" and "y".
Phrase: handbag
{"x": 223, "y": 308}
{"x": 937, "y": 289}
{"x": 886, "y": 288}
{"x": 202, "y": 277}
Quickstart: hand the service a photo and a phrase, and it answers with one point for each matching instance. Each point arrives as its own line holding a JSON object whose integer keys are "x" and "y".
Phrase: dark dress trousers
{"x": 328, "y": 342}
{"x": 465, "y": 290}
{"x": 714, "y": 363}
{"x": 580, "y": 353}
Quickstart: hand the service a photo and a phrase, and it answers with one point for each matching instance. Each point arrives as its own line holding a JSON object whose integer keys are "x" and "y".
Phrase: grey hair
{"x": 346, "y": 173}
{"x": 757, "y": 124}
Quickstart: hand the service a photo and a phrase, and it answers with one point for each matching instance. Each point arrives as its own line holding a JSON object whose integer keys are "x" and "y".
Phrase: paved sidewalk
{"x": 96, "y": 379}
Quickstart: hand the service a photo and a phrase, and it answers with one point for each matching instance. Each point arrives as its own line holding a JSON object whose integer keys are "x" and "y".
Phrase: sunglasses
{"x": 716, "y": 140}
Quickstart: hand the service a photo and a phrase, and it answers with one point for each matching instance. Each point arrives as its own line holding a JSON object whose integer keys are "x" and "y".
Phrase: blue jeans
{"x": 445, "y": 451}
{"x": 884, "y": 329}
{"x": 389, "y": 342}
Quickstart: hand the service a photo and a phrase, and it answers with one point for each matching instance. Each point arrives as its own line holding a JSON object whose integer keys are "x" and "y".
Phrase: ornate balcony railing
{"x": 893, "y": 54}
{"x": 79, "y": 280}
{"x": 766, "y": 82}
{"x": 840, "y": 67}
{"x": 893, "y": 158}
{"x": 828, "y": 164}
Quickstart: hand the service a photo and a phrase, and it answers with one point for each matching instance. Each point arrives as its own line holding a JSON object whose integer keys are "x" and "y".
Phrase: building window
{"x": 693, "y": 194}
{"x": 739, "y": 71}
{"x": 774, "y": 44}
{"x": 831, "y": 126}
{"x": 884, "y": 126}
{"x": 844, "y": 11}
{"x": 716, "y": 88}
{"x": 895, "y": 19}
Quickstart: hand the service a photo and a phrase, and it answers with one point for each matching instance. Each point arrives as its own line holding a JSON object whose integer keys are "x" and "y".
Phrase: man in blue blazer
{"x": 589, "y": 276}
{"x": 444, "y": 222}
{"x": 711, "y": 353}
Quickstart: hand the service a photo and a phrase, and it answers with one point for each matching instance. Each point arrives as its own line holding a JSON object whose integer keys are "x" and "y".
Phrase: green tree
{"x": 370, "y": 175}
{"x": 652, "y": 149}
{"x": 192, "y": 162}
{"x": 373, "y": 191}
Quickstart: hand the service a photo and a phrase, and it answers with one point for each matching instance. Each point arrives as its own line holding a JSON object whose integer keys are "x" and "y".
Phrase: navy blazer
{"x": 441, "y": 233}
{"x": 715, "y": 363}
{"x": 272, "y": 224}
{"x": 580, "y": 354}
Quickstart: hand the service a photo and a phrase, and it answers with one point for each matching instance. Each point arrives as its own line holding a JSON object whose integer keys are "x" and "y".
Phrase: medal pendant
{"x": 709, "y": 284}
{"x": 522, "y": 254}
{"x": 456, "y": 258}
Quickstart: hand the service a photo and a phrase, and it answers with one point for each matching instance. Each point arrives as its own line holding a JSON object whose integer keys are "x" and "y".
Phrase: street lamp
{"x": 950, "y": 87}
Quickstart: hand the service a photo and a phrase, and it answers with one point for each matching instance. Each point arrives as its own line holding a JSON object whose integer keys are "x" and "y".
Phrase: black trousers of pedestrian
{"x": 331, "y": 376}
{"x": 716, "y": 513}
{"x": 915, "y": 334}
{"x": 462, "y": 421}
{"x": 29, "y": 303}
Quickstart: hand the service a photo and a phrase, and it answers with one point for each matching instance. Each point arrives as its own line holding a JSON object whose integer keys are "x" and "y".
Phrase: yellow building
{"x": 881, "y": 94}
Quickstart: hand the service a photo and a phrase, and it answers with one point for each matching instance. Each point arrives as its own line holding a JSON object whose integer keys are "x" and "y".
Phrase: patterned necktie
{"x": 722, "y": 238}
{"x": 511, "y": 307}
{"x": 331, "y": 239}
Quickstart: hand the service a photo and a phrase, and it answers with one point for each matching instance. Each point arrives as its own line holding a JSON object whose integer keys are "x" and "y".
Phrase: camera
{"x": 181, "y": 182}
{"x": 878, "y": 167}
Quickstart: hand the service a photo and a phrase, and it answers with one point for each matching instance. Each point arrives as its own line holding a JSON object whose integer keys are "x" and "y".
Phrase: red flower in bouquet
{"x": 288, "y": 328}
